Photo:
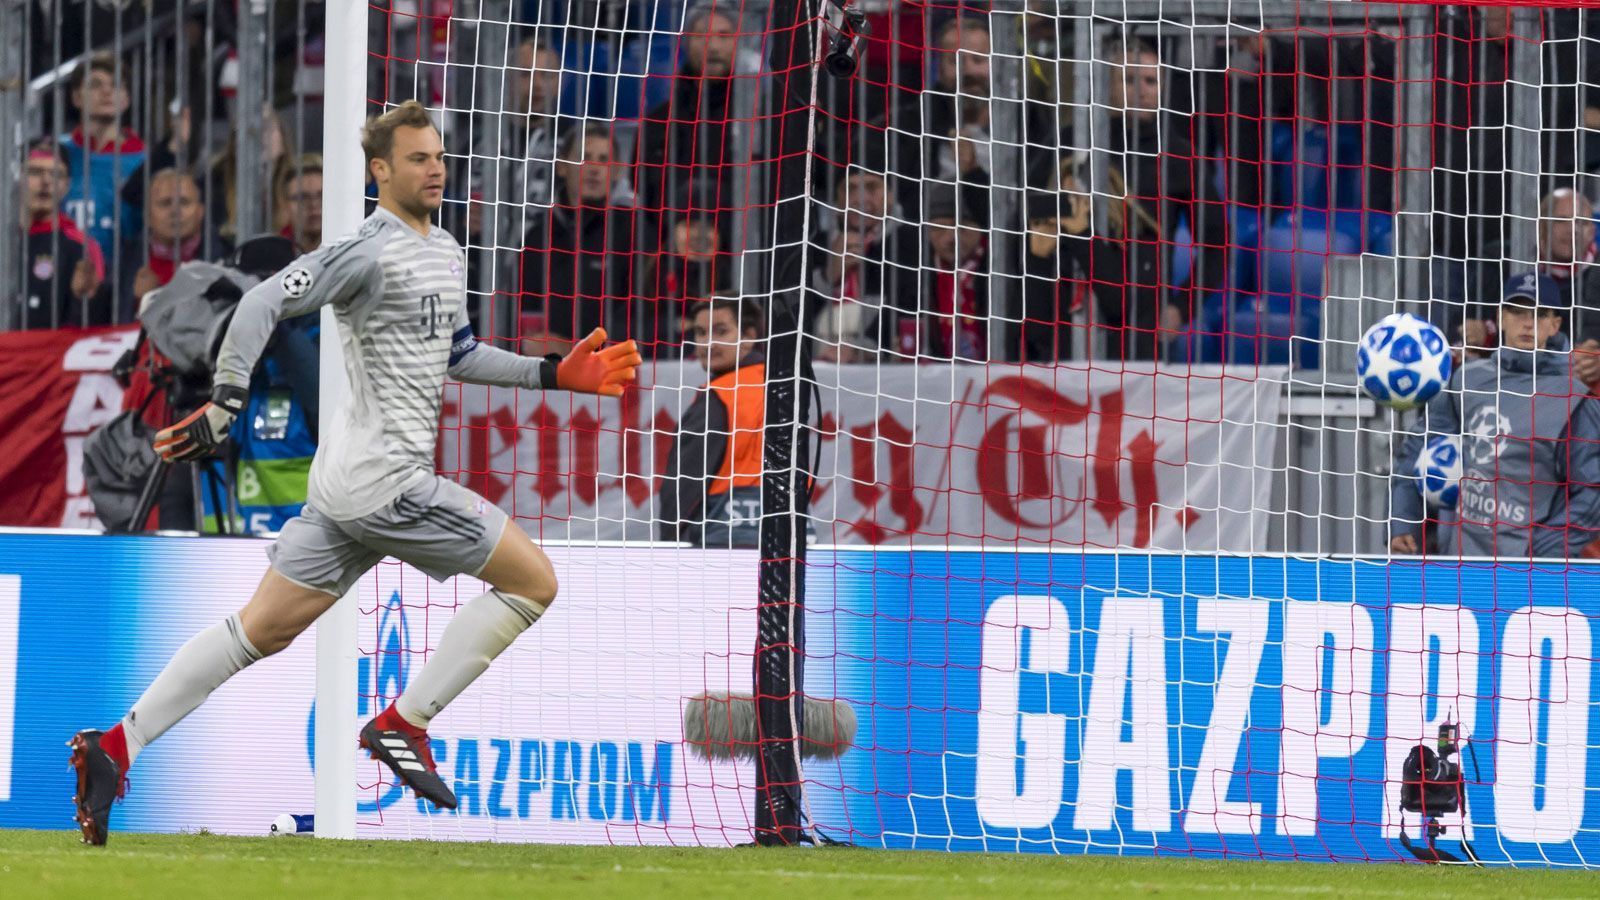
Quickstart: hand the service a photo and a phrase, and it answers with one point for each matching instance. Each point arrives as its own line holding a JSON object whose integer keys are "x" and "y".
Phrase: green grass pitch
{"x": 53, "y": 864}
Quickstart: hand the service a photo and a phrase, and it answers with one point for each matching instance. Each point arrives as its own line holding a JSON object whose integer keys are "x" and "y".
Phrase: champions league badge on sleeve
{"x": 296, "y": 282}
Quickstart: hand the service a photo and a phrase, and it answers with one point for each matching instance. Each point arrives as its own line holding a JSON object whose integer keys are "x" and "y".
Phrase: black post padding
{"x": 780, "y": 615}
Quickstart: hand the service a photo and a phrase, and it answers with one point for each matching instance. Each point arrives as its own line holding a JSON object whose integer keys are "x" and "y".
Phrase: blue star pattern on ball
{"x": 1438, "y": 471}
{"x": 1403, "y": 361}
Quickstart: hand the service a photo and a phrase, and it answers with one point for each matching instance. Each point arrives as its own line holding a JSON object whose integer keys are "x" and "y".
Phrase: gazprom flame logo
{"x": 380, "y": 677}
{"x": 392, "y": 664}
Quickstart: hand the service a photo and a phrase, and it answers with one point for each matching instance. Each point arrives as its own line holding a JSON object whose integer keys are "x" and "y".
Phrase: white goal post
{"x": 343, "y": 190}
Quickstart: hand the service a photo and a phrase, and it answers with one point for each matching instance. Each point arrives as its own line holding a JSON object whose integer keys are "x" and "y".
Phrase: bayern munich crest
{"x": 296, "y": 282}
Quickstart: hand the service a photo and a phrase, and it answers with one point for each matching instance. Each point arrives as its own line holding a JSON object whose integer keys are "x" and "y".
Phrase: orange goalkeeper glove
{"x": 206, "y": 428}
{"x": 591, "y": 370}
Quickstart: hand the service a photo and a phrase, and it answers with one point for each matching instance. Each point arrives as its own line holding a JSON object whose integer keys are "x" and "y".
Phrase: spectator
{"x": 847, "y": 276}
{"x": 1567, "y": 254}
{"x": 511, "y": 192}
{"x": 65, "y": 267}
{"x": 1067, "y": 267}
{"x": 847, "y": 309}
{"x": 864, "y": 192}
{"x": 174, "y": 221}
{"x": 299, "y": 196}
{"x": 576, "y": 268}
{"x": 951, "y": 291}
{"x": 177, "y": 150}
{"x": 1058, "y": 226}
{"x": 688, "y": 156}
{"x": 1530, "y": 442}
{"x": 223, "y": 178}
{"x": 535, "y": 338}
{"x": 943, "y": 133}
{"x": 711, "y": 490}
{"x": 1049, "y": 38}
{"x": 101, "y": 153}
{"x": 692, "y": 268}
{"x": 524, "y": 174}
{"x": 1157, "y": 182}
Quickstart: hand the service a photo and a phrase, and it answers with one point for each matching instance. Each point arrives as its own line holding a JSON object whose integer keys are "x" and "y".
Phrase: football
{"x": 1438, "y": 471}
{"x": 1403, "y": 361}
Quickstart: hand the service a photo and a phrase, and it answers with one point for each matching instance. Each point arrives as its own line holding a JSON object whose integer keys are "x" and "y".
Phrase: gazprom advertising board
{"x": 1259, "y": 706}
{"x": 1063, "y": 702}
{"x": 574, "y": 735}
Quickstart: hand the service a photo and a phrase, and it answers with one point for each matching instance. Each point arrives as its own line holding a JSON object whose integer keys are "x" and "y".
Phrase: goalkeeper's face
{"x": 413, "y": 175}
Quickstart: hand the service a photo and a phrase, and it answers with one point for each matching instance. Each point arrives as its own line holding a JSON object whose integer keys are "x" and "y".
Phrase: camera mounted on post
{"x": 844, "y": 50}
{"x": 1432, "y": 786}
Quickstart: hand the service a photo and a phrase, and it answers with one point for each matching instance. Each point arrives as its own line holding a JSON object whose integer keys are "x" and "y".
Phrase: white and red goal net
{"x": 1101, "y": 527}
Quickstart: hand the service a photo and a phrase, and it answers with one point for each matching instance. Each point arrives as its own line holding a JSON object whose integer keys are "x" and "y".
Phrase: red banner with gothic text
{"x": 1024, "y": 456}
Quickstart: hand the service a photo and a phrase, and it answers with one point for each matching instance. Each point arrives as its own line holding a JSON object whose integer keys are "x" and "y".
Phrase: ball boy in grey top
{"x": 397, "y": 291}
{"x": 1530, "y": 443}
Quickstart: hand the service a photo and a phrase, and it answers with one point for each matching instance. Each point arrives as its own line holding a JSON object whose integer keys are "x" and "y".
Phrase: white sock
{"x": 480, "y": 631}
{"x": 198, "y": 668}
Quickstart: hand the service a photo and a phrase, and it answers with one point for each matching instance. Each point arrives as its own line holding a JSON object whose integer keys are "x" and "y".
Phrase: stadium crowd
{"x": 1168, "y": 210}
{"x": 623, "y": 179}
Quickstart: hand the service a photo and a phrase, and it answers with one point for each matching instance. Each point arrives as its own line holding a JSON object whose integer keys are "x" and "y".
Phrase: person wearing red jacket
{"x": 66, "y": 270}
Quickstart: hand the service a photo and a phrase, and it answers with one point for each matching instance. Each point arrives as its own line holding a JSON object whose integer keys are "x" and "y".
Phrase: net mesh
{"x": 1108, "y": 543}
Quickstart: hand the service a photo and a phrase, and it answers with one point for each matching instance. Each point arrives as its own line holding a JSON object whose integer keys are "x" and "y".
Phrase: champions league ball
{"x": 288, "y": 825}
{"x": 1438, "y": 471}
{"x": 1403, "y": 361}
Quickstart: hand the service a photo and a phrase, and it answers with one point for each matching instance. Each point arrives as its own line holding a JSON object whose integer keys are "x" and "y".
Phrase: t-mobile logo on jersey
{"x": 10, "y": 616}
{"x": 430, "y": 314}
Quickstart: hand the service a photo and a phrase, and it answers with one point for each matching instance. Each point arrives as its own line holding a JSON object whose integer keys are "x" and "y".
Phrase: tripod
{"x": 179, "y": 393}
{"x": 158, "y": 480}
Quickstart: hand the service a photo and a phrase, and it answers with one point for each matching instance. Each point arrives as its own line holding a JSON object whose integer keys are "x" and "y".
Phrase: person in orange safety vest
{"x": 711, "y": 490}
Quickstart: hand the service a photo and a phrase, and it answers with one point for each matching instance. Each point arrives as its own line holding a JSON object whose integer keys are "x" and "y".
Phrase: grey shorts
{"x": 438, "y": 526}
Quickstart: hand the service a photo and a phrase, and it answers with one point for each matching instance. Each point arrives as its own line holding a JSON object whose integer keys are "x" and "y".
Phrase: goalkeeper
{"x": 397, "y": 291}
{"x": 1530, "y": 442}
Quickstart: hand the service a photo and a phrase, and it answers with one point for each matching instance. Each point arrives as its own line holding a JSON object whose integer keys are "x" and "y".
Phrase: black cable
{"x": 1477, "y": 778}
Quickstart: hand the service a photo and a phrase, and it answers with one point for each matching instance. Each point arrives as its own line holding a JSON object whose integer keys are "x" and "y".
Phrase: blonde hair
{"x": 304, "y": 164}
{"x": 377, "y": 136}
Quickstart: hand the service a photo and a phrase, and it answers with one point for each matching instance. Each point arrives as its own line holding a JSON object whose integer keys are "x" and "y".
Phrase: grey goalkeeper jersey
{"x": 399, "y": 298}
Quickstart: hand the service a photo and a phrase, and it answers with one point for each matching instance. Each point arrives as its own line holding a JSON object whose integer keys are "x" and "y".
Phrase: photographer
{"x": 261, "y": 473}
{"x": 275, "y": 439}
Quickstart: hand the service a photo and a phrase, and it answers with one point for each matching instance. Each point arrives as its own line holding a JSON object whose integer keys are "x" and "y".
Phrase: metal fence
{"x": 1422, "y": 140}
{"x": 226, "y": 97}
